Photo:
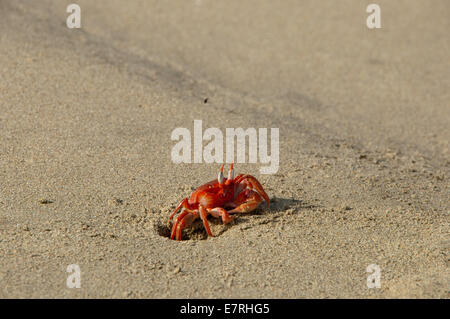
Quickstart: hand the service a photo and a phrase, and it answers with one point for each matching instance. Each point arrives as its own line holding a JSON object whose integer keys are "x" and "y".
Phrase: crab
{"x": 219, "y": 198}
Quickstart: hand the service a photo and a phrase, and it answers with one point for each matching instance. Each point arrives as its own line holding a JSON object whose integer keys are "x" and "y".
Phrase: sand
{"x": 86, "y": 175}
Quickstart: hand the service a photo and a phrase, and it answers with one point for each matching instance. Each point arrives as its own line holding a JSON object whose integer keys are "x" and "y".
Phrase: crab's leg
{"x": 186, "y": 221}
{"x": 221, "y": 212}
{"x": 203, "y": 216}
{"x": 184, "y": 203}
{"x": 175, "y": 225}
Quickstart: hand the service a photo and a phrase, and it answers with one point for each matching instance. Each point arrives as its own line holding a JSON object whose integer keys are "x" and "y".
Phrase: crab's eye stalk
{"x": 220, "y": 177}
{"x": 230, "y": 175}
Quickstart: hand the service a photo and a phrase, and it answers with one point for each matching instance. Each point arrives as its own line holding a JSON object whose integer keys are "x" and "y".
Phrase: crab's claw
{"x": 258, "y": 187}
{"x": 252, "y": 182}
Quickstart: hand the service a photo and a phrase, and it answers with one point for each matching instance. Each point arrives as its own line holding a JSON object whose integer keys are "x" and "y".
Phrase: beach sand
{"x": 87, "y": 178}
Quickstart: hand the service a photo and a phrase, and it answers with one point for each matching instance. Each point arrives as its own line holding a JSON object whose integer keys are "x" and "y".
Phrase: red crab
{"x": 242, "y": 194}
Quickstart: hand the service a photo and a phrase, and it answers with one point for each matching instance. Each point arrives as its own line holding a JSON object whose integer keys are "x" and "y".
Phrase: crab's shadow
{"x": 278, "y": 207}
